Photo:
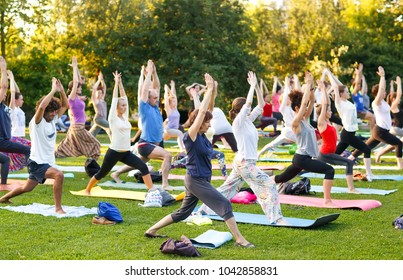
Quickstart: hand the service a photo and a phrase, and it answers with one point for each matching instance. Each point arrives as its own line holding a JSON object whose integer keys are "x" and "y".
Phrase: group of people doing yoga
{"x": 294, "y": 107}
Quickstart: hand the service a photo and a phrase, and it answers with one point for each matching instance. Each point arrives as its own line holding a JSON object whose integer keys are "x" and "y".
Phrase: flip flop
{"x": 154, "y": 236}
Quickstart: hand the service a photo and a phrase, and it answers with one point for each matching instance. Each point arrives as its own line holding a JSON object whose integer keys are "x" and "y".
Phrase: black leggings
{"x": 303, "y": 162}
{"x": 5, "y": 165}
{"x": 349, "y": 139}
{"x": 380, "y": 134}
{"x": 337, "y": 160}
{"x": 266, "y": 121}
{"x": 128, "y": 158}
{"x": 229, "y": 137}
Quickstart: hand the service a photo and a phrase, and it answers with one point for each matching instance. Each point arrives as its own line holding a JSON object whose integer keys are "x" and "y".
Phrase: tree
{"x": 198, "y": 36}
{"x": 14, "y": 14}
{"x": 375, "y": 37}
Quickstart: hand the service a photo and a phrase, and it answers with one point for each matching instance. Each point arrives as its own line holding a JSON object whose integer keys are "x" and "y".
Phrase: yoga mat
{"x": 359, "y": 204}
{"x": 49, "y": 210}
{"x": 260, "y": 219}
{"x": 182, "y": 177}
{"x": 275, "y": 159}
{"x": 342, "y": 176}
{"x": 262, "y": 167}
{"x": 79, "y": 168}
{"x": 373, "y": 167}
{"x": 211, "y": 239}
{"x": 25, "y": 175}
{"x": 135, "y": 186}
{"x": 361, "y": 190}
{"x": 100, "y": 192}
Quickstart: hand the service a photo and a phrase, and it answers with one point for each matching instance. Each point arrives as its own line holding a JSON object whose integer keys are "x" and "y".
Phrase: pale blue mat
{"x": 260, "y": 219}
{"x": 316, "y": 188}
{"x": 135, "y": 186}
{"x": 274, "y": 159}
{"x": 211, "y": 239}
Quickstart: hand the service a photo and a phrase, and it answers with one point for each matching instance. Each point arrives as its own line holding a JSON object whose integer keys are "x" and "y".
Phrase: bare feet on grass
{"x": 354, "y": 191}
{"x": 5, "y": 201}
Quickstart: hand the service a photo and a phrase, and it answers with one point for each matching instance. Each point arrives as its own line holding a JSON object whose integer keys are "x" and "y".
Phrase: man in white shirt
{"x": 42, "y": 129}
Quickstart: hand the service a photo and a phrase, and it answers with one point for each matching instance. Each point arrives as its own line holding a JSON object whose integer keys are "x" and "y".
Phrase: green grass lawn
{"x": 355, "y": 235}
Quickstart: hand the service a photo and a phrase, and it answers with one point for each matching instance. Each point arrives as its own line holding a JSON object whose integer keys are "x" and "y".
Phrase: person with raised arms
{"x": 198, "y": 175}
{"x": 119, "y": 149}
{"x": 42, "y": 129}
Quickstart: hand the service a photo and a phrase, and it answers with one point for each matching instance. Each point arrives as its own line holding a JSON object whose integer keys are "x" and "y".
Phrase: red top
{"x": 267, "y": 110}
{"x": 329, "y": 136}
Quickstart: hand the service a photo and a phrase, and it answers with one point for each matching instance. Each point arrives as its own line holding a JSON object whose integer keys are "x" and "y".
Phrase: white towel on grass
{"x": 49, "y": 210}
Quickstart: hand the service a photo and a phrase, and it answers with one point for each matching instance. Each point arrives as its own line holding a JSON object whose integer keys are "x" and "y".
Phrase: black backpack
{"x": 302, "y": 186}
{"x": 91, "y": 167}
{"x": 155, "y": 177}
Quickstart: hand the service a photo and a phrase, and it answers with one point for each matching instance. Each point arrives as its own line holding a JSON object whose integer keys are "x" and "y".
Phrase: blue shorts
{"x": 145, "y": 148}
{"x": 37, "y": 171}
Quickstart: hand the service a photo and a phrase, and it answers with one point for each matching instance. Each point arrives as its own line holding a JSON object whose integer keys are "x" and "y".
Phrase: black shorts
{"x": 145, "y": 148}
{"x": 37, "y": 171}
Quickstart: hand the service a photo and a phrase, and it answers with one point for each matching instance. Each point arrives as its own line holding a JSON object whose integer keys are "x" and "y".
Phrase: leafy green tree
{"x": 199, "y": 36}
{"x": 14, "y": 14}
{"x": 375, "y": 36}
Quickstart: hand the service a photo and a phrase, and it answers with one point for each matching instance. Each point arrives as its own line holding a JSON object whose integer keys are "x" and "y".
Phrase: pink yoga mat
{"x": 182, "y": 177}
{"x": 14, "y": 183}
{"x": 262, "y": 167}
{"x": 361, "y": 204}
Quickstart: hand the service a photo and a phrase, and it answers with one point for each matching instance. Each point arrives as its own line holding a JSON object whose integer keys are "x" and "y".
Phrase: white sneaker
{"x": 370, "y": 177}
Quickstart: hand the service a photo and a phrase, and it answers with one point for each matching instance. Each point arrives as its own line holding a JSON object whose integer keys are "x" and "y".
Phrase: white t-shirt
{"x": 245, "y": 132}
{"x": 17, "y": 116}
{"x": 43, "y": 141}
{"x": 220, "y": 123}
{"x": 348, "y": 115}
{"x": 383, "y": 118}
{"x": 285, "y": 110}
{"x": 120, "y": 128}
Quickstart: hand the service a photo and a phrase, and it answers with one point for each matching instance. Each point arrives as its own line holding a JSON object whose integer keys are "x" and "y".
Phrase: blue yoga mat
{"x": 342, "y": 176}
{"x": 275, "y": 159}
{"x": 25, "y": 175}
{"x": 260, "y": 219}
{"x": 316, "y": 188}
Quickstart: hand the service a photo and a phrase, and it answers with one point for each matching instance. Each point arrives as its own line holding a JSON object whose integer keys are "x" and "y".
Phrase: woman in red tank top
{"x": 329, "y": 137}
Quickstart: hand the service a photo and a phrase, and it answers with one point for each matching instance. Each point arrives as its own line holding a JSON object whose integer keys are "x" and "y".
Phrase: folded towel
{"x": 211, "y": 239}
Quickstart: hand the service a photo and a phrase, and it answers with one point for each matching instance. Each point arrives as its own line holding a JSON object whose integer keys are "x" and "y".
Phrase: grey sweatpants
{"x": 200, "y": 188}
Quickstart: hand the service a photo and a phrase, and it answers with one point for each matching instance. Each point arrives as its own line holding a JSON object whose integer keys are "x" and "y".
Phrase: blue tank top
{"x": 199, "y": 156}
